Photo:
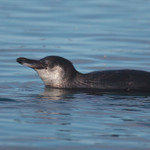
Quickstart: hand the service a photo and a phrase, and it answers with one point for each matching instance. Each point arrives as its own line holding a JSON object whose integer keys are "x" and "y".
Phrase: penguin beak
{"x": 34, "y": 64}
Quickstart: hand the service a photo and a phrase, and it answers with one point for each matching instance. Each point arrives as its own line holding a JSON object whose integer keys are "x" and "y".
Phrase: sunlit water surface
{"x": 94, "y": 35}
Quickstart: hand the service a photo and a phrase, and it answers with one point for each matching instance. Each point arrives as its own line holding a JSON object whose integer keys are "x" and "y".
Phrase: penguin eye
{"x": 50, "y": 64}
{"x": 43, "y": 63}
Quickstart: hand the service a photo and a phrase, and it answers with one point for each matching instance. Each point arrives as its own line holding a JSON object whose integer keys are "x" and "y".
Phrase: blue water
{"x": 94, "y": 35}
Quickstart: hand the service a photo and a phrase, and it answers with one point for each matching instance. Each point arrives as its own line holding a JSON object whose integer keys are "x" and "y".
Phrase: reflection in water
{"x": 64, "y": 94}
{"x": 57, "y": 94}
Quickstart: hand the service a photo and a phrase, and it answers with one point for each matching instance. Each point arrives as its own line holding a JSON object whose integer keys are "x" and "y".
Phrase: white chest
{"x": 51, "y": 77}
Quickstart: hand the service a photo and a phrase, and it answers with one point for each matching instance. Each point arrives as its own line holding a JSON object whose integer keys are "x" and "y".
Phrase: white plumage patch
{"x": 52, "y": 77}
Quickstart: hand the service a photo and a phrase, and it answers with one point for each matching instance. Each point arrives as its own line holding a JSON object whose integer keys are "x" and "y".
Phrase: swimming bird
{"x": 58, "y": 72}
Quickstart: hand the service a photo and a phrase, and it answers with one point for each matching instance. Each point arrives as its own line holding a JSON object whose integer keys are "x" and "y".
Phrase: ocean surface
{"x": 94, "y": 35}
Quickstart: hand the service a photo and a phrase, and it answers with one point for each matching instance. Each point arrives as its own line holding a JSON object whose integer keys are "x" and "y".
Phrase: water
{"x": 94, "y": 35}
